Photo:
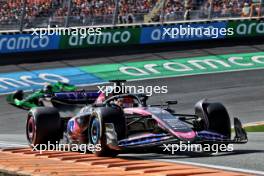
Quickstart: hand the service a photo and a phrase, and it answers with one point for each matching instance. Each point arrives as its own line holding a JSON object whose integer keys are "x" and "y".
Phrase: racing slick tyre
{"x": 219, "y": 120}
{"x": 18, "y": 95}
{"x": 216, "y": 119}
{"x": 97, "y": 129}
{"x": 43, "y": 126}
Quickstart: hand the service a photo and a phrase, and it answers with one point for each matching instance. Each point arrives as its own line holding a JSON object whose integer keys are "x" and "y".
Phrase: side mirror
{"x": 171, "y": 102}
{"x": 98, "y": 105}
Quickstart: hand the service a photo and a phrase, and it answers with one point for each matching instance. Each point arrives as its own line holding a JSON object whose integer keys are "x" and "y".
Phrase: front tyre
{"x": 219, "y": 120}
{"x": 97, "y": 137}
{"x": 214, "y": 117}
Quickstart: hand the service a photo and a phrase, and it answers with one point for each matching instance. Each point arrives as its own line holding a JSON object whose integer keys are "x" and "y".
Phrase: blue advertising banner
{"x": 27, "y": 42}
{"x": 184, "y": 32}
{"x": 10, "y": 82}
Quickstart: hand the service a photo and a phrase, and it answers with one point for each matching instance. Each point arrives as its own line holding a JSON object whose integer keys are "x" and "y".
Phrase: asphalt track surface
{"x": 241, "y": 92}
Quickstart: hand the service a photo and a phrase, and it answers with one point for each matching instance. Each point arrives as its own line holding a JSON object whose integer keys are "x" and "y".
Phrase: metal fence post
{"x": 21, "y": 27}
{"x": 211, "y": 9}
{"x": 115, "y": 14}
{"x": 261, "y": 7}
{"x": 68, "y": 13}
{"x": 163, "y": 11}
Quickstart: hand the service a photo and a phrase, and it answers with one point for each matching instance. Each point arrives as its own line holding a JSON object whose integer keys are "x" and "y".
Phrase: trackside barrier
{"x": 13, "y": 42}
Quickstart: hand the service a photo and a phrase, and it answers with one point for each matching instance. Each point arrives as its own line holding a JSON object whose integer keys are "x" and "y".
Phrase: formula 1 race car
{"x": 60, "y": 93}
{"x": 125, "y": 121}
{"x": 31, "y": 100}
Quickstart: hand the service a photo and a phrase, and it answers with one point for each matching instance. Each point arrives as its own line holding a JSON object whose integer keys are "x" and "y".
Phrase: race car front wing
{"x": 155, "y": 140}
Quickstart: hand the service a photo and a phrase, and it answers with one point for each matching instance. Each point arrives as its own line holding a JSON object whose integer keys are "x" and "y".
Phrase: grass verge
{"x": 257, "y": 128}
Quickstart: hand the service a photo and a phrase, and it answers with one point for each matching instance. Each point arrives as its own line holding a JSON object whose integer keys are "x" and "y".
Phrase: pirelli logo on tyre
{"x": 111, "y": 37}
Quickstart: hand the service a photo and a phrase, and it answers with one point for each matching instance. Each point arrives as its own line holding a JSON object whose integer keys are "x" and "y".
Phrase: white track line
{"x": 4, "y": 144}
{"x": 215, "y": 167}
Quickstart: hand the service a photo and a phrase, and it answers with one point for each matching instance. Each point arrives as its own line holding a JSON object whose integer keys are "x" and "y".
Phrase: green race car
{"x": 32, "y": 100}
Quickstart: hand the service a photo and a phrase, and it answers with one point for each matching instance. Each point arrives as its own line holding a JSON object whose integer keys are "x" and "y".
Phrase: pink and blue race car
{"x": 123, "y": 122}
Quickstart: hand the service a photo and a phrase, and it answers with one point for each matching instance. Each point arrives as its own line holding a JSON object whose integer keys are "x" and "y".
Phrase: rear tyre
{"x": 43, "y": 126}
{"x": 19, "y": 95}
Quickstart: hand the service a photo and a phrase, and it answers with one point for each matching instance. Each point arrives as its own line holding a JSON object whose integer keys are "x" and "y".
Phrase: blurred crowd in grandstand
{"x": 129, "y": 10}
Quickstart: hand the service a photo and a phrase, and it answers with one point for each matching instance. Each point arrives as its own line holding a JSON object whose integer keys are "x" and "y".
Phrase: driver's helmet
{"x": 119, "y": 102}
{"x": 128, "y": 102}
{"x": 47, "y": 88}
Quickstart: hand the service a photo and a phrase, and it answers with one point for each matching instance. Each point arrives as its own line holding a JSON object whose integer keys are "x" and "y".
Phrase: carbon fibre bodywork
{"x": 159, "y": 126}
{"x": 132, "y": 125}
{"x": 31, "y": 100}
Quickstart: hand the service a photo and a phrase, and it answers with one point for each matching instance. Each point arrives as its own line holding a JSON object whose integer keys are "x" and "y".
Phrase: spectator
{"x": 255, "y": 7}
{"x": 86, "y": 11}
{"x": 130, "y": 18}
{"x": 245, "y": 10}
{"x": 187, "y": 15}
